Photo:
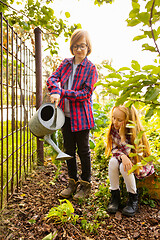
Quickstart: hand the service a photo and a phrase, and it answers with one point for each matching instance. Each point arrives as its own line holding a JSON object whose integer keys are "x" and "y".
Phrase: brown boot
{"x": 71, "y": 188}
{"x": 84, "y": 190}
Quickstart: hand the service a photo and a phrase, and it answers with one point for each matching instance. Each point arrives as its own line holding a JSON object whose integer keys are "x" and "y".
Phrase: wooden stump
{"x": 152, "y": 183}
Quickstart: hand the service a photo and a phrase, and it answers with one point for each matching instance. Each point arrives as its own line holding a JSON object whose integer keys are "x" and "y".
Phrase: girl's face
{"x": 118, "y": 118}
{"x": 80, "y": 50}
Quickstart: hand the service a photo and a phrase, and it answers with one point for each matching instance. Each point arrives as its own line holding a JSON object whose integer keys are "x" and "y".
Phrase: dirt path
{"x": 23, "y": 218}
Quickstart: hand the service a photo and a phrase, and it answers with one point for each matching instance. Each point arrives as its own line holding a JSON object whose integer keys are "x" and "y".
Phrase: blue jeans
{"x": 77, "y": 142}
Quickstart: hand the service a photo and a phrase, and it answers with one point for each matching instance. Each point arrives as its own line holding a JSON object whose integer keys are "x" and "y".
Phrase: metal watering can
{"x": 44, "y": 122}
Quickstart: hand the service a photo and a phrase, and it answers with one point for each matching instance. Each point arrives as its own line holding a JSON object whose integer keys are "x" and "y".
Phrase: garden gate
{"x": 18, "y": 98}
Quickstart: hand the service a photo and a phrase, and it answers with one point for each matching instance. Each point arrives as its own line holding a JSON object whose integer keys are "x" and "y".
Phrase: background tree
{"x": 139, "y": 84}
{"x": 34, "y": 13}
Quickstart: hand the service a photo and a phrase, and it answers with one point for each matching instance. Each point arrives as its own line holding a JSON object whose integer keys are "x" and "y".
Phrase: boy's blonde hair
{"x": 77, "y": 35}
{"x": 131, "y": 115}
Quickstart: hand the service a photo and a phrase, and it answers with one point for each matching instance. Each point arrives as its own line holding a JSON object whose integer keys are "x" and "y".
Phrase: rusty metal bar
{"x": 39, "y": 96}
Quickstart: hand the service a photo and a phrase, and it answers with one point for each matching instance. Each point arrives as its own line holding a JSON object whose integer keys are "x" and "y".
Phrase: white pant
{"x": 114, "y": 169}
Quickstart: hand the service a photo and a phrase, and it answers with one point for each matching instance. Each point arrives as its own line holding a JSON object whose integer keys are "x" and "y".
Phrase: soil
{"x": 24, "y": 216}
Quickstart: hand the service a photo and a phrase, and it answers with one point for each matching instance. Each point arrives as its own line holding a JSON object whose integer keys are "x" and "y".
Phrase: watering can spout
{"x": 47, "y": 120}
{"x": 61, "y": 155}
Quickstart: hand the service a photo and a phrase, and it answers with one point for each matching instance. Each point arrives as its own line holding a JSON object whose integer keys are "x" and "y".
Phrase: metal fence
{"x": 17, "y": 104}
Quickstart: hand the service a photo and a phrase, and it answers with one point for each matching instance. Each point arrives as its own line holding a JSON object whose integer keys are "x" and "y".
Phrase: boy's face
{"x": 118, "y": 118}
{"x": 80, "y": 49}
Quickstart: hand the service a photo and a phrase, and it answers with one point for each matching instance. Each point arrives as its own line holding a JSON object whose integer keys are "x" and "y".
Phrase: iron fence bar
{"x": 24, "y": 77}
{"x": 17, "y": 69}
{"x": 13, "y": 101}
{"x": 1, "y": 89}
{"x": 16, "y": 98}
{"x": 20, "y": 171}
{"x": 7, "y": 130}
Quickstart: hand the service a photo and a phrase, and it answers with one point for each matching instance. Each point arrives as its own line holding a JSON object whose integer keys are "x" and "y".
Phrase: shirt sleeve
{"x": 87, "y": 88}
{"x": 54, "y": 79}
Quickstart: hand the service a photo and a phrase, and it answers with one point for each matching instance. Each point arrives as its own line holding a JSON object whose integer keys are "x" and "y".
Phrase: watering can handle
{"x": 53, "y": 125}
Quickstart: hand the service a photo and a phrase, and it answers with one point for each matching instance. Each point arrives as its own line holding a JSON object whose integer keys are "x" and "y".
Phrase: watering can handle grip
{"x": 53, "y": 125}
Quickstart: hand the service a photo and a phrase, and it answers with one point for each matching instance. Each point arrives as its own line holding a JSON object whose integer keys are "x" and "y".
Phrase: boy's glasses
{"x": 81, "y": 46}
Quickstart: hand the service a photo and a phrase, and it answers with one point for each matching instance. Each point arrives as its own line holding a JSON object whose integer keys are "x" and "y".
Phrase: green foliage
{"x": 90, "y": 227}
{"x": 145, "y": 198}
{"x": 100, "y": 2}
{"x": 63, "y": 213}
{"x": 138, "y": 84}
{"x": 103, "y": 194}
{"x": 40, "y": 14}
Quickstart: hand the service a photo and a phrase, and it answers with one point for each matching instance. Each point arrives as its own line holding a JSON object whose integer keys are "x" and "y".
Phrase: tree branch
{"x": 150, "y": 22}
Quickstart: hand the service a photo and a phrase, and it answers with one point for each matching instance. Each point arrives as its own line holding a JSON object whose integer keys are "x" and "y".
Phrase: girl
{"x": 77, "y": 77}
{"x": 118, "y": 138}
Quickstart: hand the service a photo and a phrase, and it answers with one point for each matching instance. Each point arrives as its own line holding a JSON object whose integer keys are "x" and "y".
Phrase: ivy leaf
{"x": 135, "y": 65}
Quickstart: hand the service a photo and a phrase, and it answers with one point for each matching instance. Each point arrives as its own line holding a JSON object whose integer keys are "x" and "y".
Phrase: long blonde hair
{"x": 131, "y": 117}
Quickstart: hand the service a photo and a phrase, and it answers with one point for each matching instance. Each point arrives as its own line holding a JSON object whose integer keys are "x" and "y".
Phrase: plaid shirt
{"x": 80, "y": 95}
{"x": 118, "y": 148}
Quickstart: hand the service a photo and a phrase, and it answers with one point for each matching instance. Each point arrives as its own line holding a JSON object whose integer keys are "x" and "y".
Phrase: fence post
{"x": 39, "y": 90}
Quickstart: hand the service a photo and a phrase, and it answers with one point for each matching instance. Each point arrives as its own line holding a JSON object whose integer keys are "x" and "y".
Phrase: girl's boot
{"x": 114, "y": 202}
{"x": 132, "y": 205}
{"x": 71, "y": 188}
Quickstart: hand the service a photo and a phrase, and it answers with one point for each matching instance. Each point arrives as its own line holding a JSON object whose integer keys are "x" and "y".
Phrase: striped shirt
{"x": 80, "y": 94}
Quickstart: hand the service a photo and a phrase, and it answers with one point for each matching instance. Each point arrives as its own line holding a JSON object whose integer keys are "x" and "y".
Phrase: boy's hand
{"x": 55, "y": 98}
{"x": 127, "y": 164}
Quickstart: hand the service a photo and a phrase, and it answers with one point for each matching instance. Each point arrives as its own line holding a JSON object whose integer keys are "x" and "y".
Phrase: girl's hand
{"x": 55, "y": 98}
{"x": 127, "y": 164}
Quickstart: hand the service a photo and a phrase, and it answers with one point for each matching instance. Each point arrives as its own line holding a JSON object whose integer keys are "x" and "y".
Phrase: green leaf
{"x": 114, "y": 91}
{"x": 123, "y": 69}
{"x": 144, "y": 17}
{"x": 148, "y": 67}
{"x": 130, "y": 146}
{"x": 109, "y": 67}
{"x": 137, "y": 38}
{"x": 133, "y": 12}
{"x": 156, "y": 70}
{"x": 133, "y": 22}
{"x": 67, "y": 14}
{"x": 115, "y": 84}
{"x": 149, "y": 113}
{"x": 158, "y": 30}
{"x": 152, "y": 94}
{"x": 114, "y": 75}
{"x": 135, "y": 65}
{"x": 48, "y": 237}
{"x": 148, "y": 47}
